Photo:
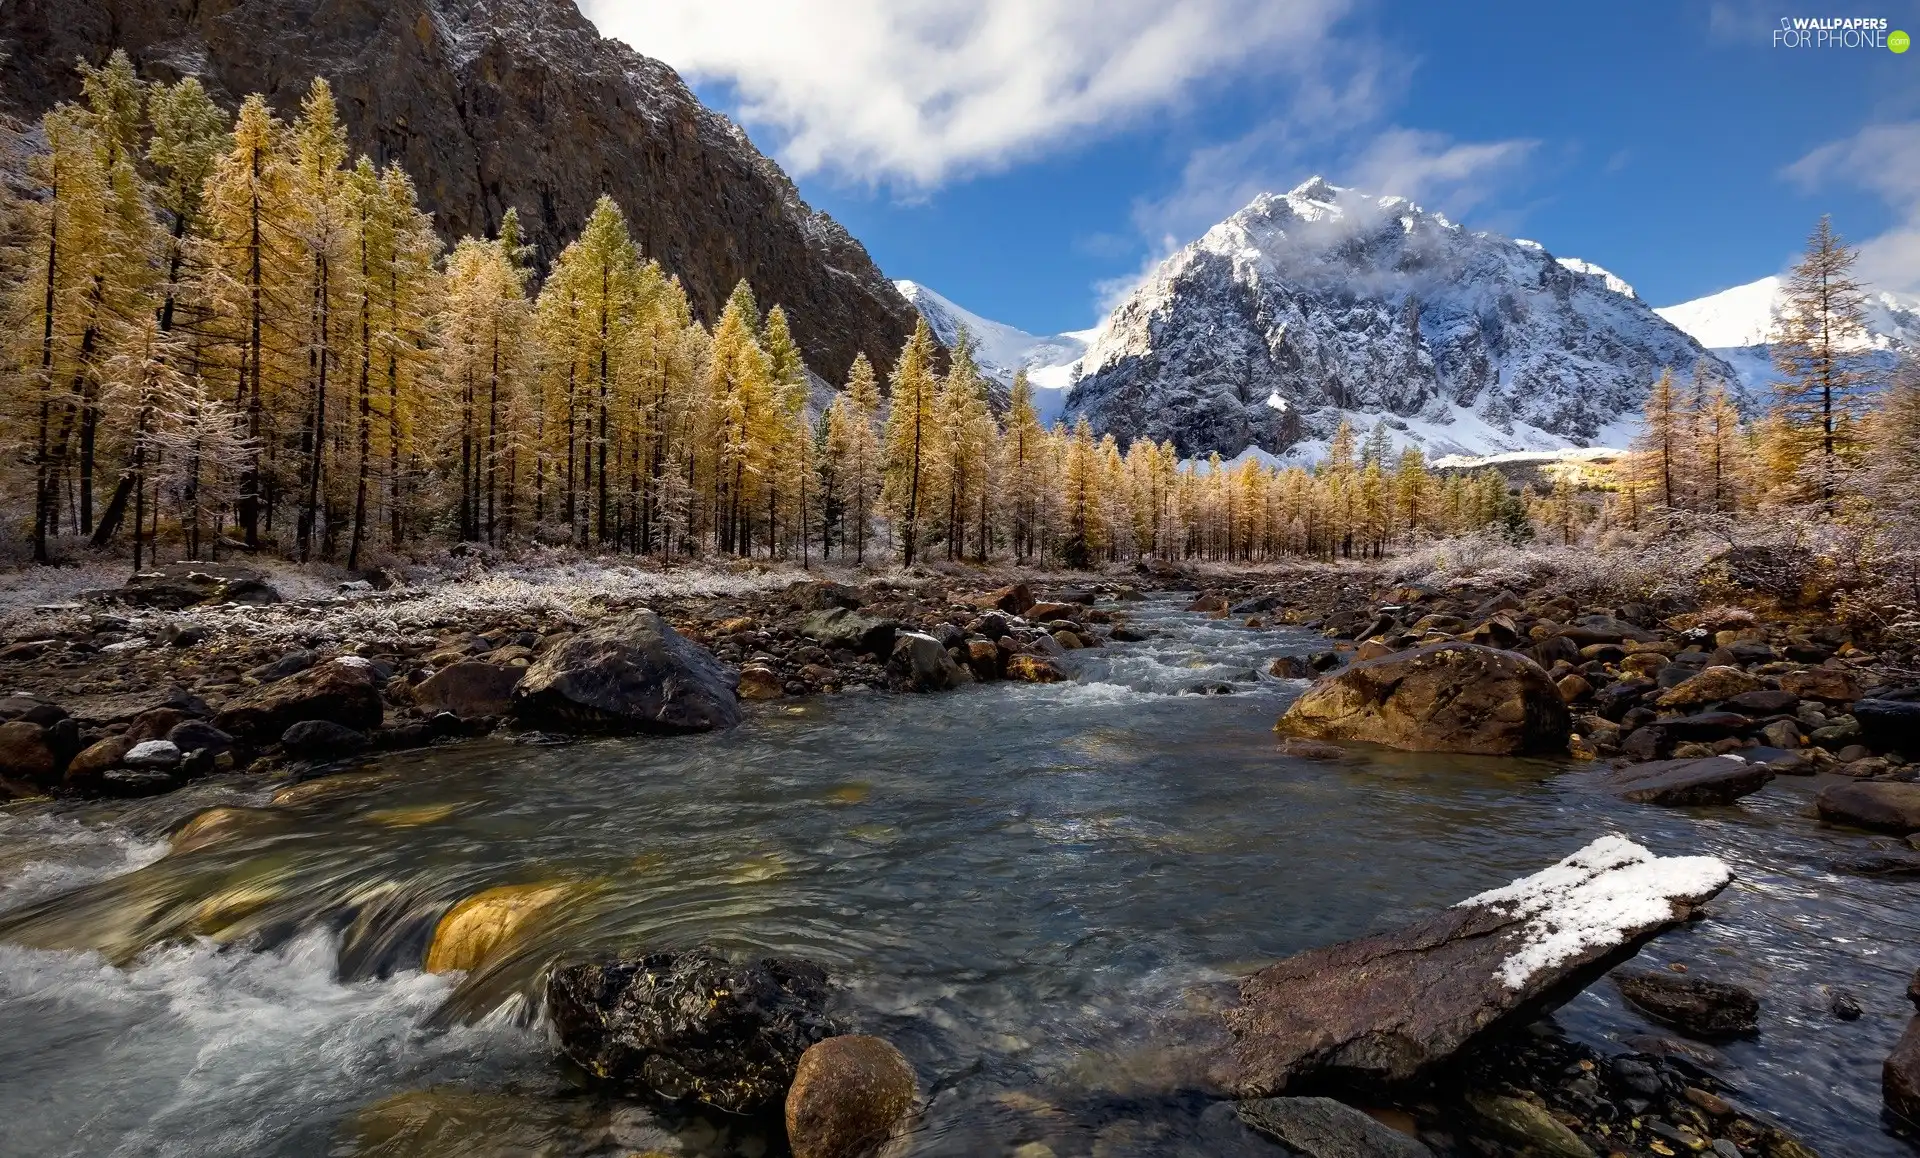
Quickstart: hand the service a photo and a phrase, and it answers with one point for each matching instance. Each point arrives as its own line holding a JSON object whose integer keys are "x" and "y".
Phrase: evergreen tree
{"x": 1822, "y": 316}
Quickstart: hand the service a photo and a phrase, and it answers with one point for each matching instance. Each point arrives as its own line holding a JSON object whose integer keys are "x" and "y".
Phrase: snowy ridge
{"x": 1739, "y": 325}
{"x": 1051, "y": 362}
{"x": 1345, "y": 305}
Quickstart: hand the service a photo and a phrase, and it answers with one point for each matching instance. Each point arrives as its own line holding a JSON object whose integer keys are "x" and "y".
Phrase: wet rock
{"x": 1890, "y": 725}
{"x": 1899, "y": 863}
{"x": 1900, "y": 1075}
{"x": 924, "y": 663}
{"x": 1309, "y": 749}
{"x": 1782, "y": 734}
{"x": 692, "y": 1025}
{"x": 1523, "y": 1124}
{"x": 1384, "y": 1008}
{"x": 1573, "y": 688}
{"x": 1324, "y": 1128}
{"x": 839, "y": 627}
{"x": 200, "y": 736}
{"x": 1049, "y": 612}
{"x": 1702, "y": 727}
{"x": 984, "y": 658}
{"x": 1126, "y": 633}
{"x": 851, "y": 1094}
{"x": 1691, "y": 1004}
{"x": 445, "y": 1121}
{"x": 292, "y": 663}
{"x": 216, "y": 825}
{"x": 1712, "y": 685}
{"x": 1014, "y": 600}
{"x": 478, "y": 925}
{"x": 1845, "y": 1006}
{"x": 470, "y": 689}
{"x": 322, "y": 740}
{"x": 152, "y": 754}
{"x": 1291, "y": 667}
{"x": 760, "y": 682}
{"x": 84, "y": 770}
{"x": 1714, "y": 780}
{"x": 28, "y": 755}
{"x": 1209, "y": 603}
{"x": 343, "y": 691}
{"x": 1450, "y": 697}
{"x": 1886, "y": 806}
{"x": 635, "y": 675}
{"x": 1034, "y": 669}
{"x": 1068, "y": 639}
{"x": 1834, "y": 685}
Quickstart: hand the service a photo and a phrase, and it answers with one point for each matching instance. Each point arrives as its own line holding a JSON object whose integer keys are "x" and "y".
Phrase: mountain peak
{"x": 1314, "y": 188}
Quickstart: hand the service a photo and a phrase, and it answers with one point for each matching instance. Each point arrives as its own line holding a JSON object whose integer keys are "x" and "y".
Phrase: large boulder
{"x": 841, "y": 627}
{"x": 1450, "y": 697}
{"x": 925, "y": 663}
{"x": 851, "y": 1094}
{"x": 1711, "y": 686}
{"x": 1386, "y": 1007}
{"x": 692, "y": 1025}
{"x": 470, "y": 689}
{"x": 1710, "y": 780}
{"x": 636, "y": 675}
{"x": 1835, "y": 685}
{"x": 29, "y": 757}
{"x": 344, "y": 691}
{"x": 1890, "y": 806}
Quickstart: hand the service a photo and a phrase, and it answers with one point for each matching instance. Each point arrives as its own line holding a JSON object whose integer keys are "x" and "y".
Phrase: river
{"x": 1011, "y": 882}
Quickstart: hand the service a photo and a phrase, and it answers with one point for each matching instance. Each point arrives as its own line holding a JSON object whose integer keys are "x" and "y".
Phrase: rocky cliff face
{"x": 498, "y": 103}
{"x": 1323, "y": 303}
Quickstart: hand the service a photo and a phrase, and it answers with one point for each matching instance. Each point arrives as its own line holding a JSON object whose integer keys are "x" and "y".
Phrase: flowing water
{"x": 1011, "y": 882}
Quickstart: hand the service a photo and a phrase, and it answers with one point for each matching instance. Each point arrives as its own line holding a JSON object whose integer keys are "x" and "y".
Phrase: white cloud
{"x": 914, "y": 92}
{"x": 1884, "y": 160}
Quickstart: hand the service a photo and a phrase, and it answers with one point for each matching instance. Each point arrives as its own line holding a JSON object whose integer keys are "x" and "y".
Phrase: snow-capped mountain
{"x": 1739, "y": 324}
{"x": 1323, "y": 303}
{"x": 1000, "y": 349}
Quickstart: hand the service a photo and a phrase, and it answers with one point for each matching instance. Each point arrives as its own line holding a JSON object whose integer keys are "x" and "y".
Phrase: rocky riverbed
{"x": 294, "y": 728}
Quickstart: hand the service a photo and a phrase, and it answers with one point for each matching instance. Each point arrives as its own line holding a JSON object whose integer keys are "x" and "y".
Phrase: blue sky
{"x": 1029, "y": 161}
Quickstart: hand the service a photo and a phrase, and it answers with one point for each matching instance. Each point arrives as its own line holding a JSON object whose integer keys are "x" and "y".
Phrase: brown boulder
{"x": 1890, "y": 806}
{"x": 28, "y": 755}
{"x": 760, "y": 682}
{"x": 1450, "y": 697}
{"x": 1386, "y": 1007}
{"x": 1831, "y": 684}
{"x": 1014, "y": 600}
{"x": 341, "y": 691}
{"x": 1209, "y": 603}
{"x": 1712, "y": 780}
{"x": 469, "y": 689}
{"x": 1047, "y": 612}
{"x": 1034, "y": 669}
{"x": 1698, "y": 1006}
{"x": 850, "y": 1095}
{"x": 635, "y": 675}
{"x": 1710, "y": 686}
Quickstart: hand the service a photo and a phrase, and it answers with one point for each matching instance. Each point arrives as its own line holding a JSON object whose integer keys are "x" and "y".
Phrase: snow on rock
{"x": 1347, "y": 305}
{"x": 1597, "y": 899}
{"x": 1387, "y": 1007}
